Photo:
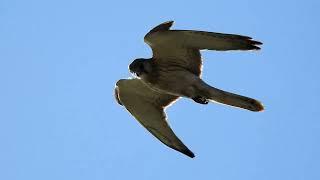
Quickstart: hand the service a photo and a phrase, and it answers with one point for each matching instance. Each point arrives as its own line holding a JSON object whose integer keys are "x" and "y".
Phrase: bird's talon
{"x": 201, "y": 100}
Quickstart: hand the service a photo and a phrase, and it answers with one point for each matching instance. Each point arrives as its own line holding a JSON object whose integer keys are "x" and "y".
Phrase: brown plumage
{"x": 175, "y": 71}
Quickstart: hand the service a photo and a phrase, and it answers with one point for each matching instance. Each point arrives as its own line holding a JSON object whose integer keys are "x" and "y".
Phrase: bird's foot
{"x": 201, "y": 100}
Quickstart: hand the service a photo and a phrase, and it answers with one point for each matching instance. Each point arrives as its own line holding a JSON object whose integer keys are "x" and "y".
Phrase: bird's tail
{"x": 231, "y": 99}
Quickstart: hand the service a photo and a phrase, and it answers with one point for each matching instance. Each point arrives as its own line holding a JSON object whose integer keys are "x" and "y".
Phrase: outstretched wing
{"x": 184, "y": 45}
{"x": 147, "y": 106}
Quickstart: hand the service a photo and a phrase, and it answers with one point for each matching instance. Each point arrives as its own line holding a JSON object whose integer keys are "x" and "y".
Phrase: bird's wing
{"x": 147, "y": 106}
{"x": 162, "y": 36}
{"x": 165, "y": 49}
{"x": 185, "y": 44}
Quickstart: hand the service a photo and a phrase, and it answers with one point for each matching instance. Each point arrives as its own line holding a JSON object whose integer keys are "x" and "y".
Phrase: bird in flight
{"x": 175, "y": 71}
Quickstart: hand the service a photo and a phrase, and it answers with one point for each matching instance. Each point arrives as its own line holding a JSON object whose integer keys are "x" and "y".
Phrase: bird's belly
{"x": 176, "y": 83}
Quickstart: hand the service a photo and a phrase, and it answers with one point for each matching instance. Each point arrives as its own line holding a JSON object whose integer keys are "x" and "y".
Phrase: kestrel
{"x": 175, "y": 71}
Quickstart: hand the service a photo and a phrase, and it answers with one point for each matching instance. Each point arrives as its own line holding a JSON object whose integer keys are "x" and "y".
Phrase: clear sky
{"x": 59, "y": 61}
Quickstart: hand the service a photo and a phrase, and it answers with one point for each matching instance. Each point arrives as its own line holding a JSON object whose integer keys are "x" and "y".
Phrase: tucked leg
{"x": 201, "y": 100}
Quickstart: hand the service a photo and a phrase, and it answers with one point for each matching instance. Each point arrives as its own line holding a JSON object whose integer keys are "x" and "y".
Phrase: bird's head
{"x": 140, "y": 67}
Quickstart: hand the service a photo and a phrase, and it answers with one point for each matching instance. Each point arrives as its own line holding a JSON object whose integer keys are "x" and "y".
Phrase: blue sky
{"x": 59, "y": 61}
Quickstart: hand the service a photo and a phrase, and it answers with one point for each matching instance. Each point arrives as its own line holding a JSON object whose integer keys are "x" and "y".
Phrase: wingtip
{"x": 188, "y": 153}
{"x": 254, "y": 45}
{"x": 184, "y": 150}
{"x": 170, "y": 22}
{"x": 256, "y": 48}
{"x": 165, "y": 26}
{"x": 257, "y": 42}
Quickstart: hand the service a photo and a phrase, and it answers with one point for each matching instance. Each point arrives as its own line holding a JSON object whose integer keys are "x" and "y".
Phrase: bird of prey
{"x": 175, "y": 71}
